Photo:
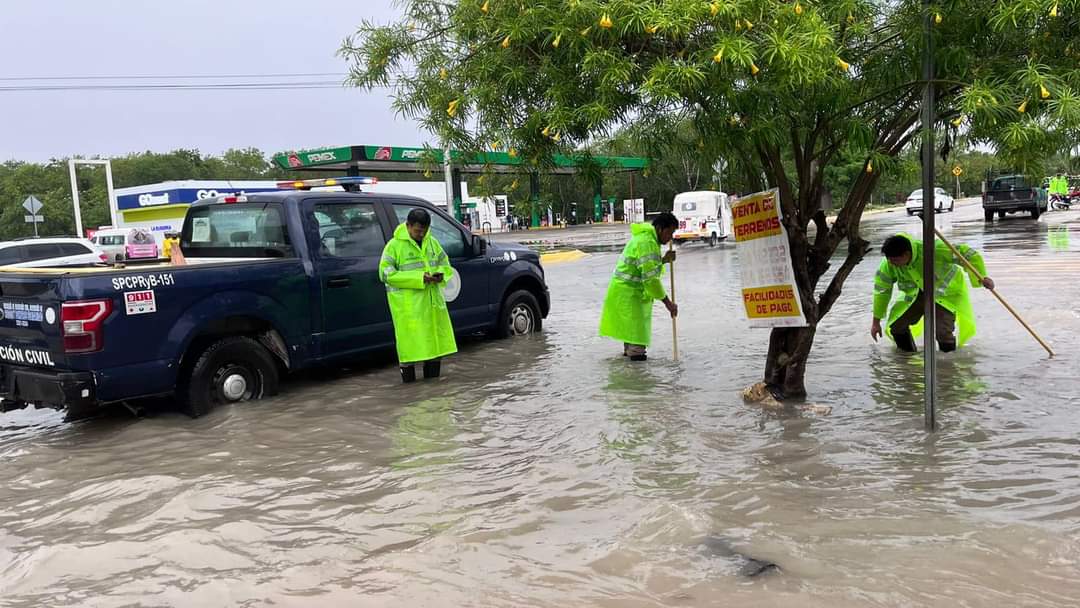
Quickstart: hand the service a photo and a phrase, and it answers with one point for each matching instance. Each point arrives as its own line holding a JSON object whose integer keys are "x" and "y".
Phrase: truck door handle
{"x": 338, "y": 282}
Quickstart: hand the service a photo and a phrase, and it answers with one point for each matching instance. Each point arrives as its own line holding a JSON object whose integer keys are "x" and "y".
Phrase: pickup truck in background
{"x": 1012, "y": 194}
{"x": 274, "y": 282}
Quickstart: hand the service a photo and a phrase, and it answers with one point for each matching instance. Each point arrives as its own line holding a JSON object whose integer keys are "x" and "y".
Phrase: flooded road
{"x": 549, "y": 471}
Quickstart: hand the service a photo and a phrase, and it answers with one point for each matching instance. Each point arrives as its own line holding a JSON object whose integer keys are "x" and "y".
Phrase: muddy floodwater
{"x": 549, "y": 471}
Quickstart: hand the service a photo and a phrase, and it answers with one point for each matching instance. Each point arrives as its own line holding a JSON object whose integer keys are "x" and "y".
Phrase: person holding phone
{"x": 414, "y": 268}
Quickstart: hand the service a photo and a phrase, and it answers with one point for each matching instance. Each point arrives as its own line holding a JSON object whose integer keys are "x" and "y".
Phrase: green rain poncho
{"x": 950, "y": 289}
{"x": 627, "y": 315}
{"x": 422, "y": 326}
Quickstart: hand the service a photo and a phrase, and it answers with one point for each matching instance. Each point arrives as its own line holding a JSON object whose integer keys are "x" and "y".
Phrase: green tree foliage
{"x": 787, "y": 90}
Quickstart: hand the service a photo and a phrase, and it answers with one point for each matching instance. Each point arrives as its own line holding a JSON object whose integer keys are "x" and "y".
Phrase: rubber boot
{"x": 947, "y": 347}
{"x": 641, "y": 357}
{"x": 432, "y": 368}
{"x": 905, "y": 342}
{"x": 408, "y": 374}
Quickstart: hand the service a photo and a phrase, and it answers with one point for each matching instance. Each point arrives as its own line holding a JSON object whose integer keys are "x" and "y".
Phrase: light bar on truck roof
{"x": 349, "y": 183}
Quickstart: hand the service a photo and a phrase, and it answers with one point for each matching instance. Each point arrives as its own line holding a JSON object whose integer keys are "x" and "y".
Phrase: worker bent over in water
{"x": 627, "y": 315}
{"x": 414, "y": 267}
{"x": 903, "y": 267}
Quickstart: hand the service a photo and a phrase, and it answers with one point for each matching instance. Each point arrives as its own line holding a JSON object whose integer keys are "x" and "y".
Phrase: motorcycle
{"x": 1062, "y": 202}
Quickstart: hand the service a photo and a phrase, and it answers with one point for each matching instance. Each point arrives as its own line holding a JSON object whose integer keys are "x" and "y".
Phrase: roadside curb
{"x": 562, "y": 256}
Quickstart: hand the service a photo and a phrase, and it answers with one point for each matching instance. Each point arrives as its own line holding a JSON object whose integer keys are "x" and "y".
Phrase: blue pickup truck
{"x": 274, "y": 282}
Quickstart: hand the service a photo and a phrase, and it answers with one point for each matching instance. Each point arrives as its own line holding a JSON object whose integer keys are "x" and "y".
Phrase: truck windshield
{"x": 235, "y": 230}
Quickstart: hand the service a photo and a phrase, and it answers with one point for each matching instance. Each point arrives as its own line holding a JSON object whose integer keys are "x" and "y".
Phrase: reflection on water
{"x": 550, "y": 471}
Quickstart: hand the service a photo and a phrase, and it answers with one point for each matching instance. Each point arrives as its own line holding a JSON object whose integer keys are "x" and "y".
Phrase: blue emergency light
{"x": 349, "y": 184}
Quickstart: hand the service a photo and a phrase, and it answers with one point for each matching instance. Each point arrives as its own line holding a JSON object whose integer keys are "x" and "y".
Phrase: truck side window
{"x": 348, "y": 230}
{"x": 448, "y": 235}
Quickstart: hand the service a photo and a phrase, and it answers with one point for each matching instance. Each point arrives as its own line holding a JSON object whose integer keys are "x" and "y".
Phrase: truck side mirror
{"x": 479, "y": 246}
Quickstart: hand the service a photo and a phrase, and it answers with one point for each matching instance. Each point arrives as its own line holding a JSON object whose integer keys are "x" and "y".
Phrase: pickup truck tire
{"x": 1035, "y": 212}
{"x": 712, "y": 240}
{"x": 520, "y": 315}
{"x": 230, "y": 370}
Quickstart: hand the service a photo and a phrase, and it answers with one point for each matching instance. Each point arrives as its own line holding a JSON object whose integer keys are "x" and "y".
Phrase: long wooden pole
{"x": 976, "y": 272}
{"x": 674, "y": 322}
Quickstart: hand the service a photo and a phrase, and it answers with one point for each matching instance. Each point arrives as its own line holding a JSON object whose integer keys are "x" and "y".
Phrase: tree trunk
{"x": 785, "y": 366}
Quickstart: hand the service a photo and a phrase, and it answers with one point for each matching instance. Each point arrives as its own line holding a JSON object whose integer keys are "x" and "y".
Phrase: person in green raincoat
{"x": 903, "y": 267}
{"x": 414, "y": 267}
{"x": 627, "y": 315}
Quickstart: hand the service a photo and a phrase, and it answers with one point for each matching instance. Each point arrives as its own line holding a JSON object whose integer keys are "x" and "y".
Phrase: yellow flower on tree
{"x": 714, "y": 8}
{"x": 451, "y": 109}
{"x": 442, "y": 74}
{"x": 484, "y": 9}
{"x": 748, "y": 24}
{"x": 1054, "y": 11}
{"x": 719, "y": 56}
{"x": 1043, "y": 91}
{"x": 506, "y": 42}
{"x": 1023, "y": 107}
{"x": 958, "y": 121}
{"x": 546, "y": 132}
{"x": 558, "y": 40}
{"x": 585, "y": 32}
{"x": 754, "y": 69}
{"x": 798, "y": 8}
{"x": 869, "y": 166}
{"x": 513, "y": 152}
{"x": 843, "y": 64}
{"x": 605, "y": 22}
{"x": 650, "y": 29}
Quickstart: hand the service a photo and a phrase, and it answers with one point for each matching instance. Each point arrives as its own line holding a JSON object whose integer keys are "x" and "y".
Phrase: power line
{"x": 177, "y": 87}
{"x": 168, "y": 77}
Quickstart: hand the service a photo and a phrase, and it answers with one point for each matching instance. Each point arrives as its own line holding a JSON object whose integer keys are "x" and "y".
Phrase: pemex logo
{"x": 385, "y": 153}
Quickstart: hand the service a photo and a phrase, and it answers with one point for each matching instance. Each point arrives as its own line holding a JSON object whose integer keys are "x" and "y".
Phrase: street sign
{"x": 32, "y": 219}
{"x": 957, "y": 171}
{"x": 32, "y": 205}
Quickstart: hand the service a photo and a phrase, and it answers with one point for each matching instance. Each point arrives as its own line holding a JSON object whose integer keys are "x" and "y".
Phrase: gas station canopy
{"x": 355, "y": 159}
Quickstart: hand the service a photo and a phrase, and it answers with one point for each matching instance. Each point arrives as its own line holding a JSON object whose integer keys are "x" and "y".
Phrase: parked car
{"x": 61, "y": 251}
{"x": 273, "y": 282}
{"x": 942, "y": 201}
{"x": 1012, "y": 194}
{"x": 126, "y": 243}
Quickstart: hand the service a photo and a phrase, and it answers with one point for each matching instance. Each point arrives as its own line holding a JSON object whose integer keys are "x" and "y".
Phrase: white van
{"x": 126, "y": 243}
{"x": 703, "y": 216}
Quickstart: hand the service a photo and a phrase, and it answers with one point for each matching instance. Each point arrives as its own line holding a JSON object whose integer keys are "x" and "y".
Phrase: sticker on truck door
{"x": 140, "y": 302}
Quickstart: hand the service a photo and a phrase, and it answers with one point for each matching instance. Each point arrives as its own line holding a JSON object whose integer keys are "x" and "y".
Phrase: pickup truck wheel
{"x": 520, "y": 315}
{"x": 231, "y": 370}
{"x": 988, "y": 216}
{"x": 1001, "y": 215}
{"x": 712, "y": 240}
{"x": 1035, "y": 212}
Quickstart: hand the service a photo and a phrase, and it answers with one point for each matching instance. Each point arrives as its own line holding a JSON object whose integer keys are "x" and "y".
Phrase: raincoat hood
{"x": 640, "y": 229}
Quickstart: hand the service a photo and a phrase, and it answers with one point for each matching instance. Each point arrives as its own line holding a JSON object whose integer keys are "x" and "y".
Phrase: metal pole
{"x": 111, "y": 194}
{"x": 75, "y": 197}
{"x": 929, "y": 206}
{"x": 33, "y": 216}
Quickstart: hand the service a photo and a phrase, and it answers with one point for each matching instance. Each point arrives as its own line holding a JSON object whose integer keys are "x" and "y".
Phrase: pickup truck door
{"x": 346, "y": 239}
{"x": 469, "y": 311}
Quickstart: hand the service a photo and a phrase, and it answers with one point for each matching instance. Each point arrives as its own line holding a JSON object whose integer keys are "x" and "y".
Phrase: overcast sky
{"x": 61, "y": 38}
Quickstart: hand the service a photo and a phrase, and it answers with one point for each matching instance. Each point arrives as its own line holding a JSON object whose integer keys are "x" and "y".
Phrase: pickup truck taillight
{"x": 82, "y": 324}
